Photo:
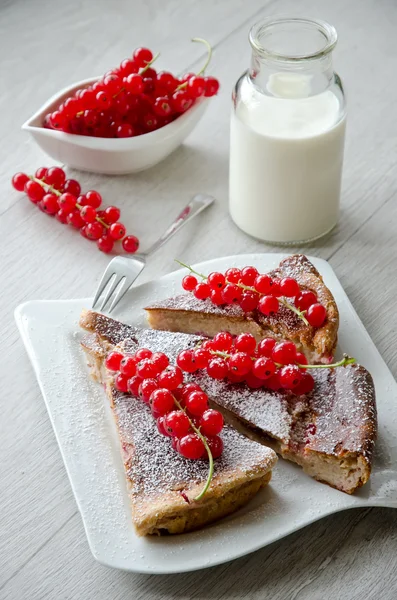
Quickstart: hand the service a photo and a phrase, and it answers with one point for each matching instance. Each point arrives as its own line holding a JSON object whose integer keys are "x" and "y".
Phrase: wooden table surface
{"x": 46, "y": 45}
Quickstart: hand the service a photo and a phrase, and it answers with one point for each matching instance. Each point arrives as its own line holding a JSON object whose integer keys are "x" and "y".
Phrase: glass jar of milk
{"x": 287, "y": 133}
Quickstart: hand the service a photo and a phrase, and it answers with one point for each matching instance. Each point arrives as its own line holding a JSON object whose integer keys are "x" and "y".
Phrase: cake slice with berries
{"x": 291, "y": 302}
{"x": 165, "y": 486}
{"x": 325, "y": 422}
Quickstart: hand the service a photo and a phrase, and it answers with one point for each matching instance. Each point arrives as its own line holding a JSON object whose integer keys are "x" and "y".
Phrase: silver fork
{"x": 121, "y": 272}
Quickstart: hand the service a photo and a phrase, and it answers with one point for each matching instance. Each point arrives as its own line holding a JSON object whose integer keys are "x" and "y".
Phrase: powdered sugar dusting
{"x": 190, "y": 303}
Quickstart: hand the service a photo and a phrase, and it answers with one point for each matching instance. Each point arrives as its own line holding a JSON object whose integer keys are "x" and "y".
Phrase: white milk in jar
{"x": 287, "y": 137}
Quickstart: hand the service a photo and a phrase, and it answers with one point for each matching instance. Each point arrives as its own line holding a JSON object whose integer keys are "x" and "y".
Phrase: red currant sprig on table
{"x": 131, "y": 99}
{"x": 62, "y": 198}
{"x": 181, "y": 409}
{"x": 252, "y": 290}
{"x": 271, "y": 365}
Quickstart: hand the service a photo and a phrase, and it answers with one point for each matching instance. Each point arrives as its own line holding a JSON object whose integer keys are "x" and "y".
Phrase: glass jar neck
{"x": 292, "y": 57}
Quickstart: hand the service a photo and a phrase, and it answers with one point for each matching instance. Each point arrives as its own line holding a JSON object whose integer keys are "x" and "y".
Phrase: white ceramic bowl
{"x": 110, "y": 156}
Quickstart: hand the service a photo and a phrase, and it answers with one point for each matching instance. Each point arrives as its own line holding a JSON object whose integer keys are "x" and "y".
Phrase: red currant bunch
{"x": 131, "y": 99}
{"x": 180, "y": 409}
{"x": 253, "y": 291}
{"x": 268, "y": 364}
{"x": 62, "y": 198}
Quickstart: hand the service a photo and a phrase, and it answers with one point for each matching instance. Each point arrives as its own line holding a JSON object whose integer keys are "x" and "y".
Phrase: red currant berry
{"x": 253, "y": 382}
{"x": 128, "y": 66}
{"x": 268, "y": 305}
{"x": 170, "y": 378}
{"x": 290, "y": 376}
{"x": 249, "y": 301}
{"x": 134, "y": 384}
{"x": 146, "y": 369}
{"x": 71, "y": 186}
{"x": 67, "y": 201}
{"x": 71, "y": 107}
{"x": 57, "y": 120}
{"x": 62, "y": 216}
{"x": 75, "y": 220}
{"x": 103, "y": 101}
{"x": 217, "y": 297}
{"x": 191, "y": 446}
{"x": 56, "y": 177}
{"x": 231, "y": 293}
{"x": 105, "y": 244}
{"x": 50, "y": 204}
{"x": 160, "y": 422}
{"x": 234, "y": 378}
{"x": 87, "y": 99}
{"x": 19, "y": 180}
{"x": 284, "y": 353}
{"x": 265, "y": 347}
{"x": 263, "y": 368}
{"x": 117, "y": 231}
{"x": 177, "y": 423}
{"x": 217, "y": 368}
{"x": 240, "y": 363}
{"x": 245, "y": 342}
{"x": 216, "y": 281}
{"x": 289, "y": 287}
{"x": 94, "y": 231}
{"x": 275, "y": 289}
{"x": 121, "y": 382}
{"x": 161, "y": 402}
{"x": 147, "y": 388}
{"x": 143, "y": 353}
{"x": 181, "y": 101}
{"x": 186, "y": 361}
{"x": 142, "y": 56}
{"x": 202, "y": 291}
{"x": 222, "y": 341}
{"x": 316, "y": 314}
{"x": 34, "y": 191}
{"x": 201, "y": 358}
{"x": 125, "y": 130}
{"x": 130, "y": 244}
{"x": 301, "y": 359}
{"x": 305, "y": 299}
{"x": 160, "y": 360}
{"x": 186, "y": 389}
{"x": 263, "y": 284}
{"x": 211, "y": 422}
{"x": 196, "y": 86}
{"x": 111, "y": 214}
{"x": 162, "y": 106}
{"x": 88, "y": 214}
{"x": 128, "y": 366}
{"x": 112, "y": 84}
{"x": 92, "y": 198}
{"x": 211, "y": 86}
{"x": 233, "y": 275}
{"x": 248, "y": 275}
{"x": 306, "y": 384}
{"x": 166, "y": 81}
{"x": 215, "y": 444}
{"x": 189, "y": 282}
{"x": 41, "y": 173}
{"x": 273, "y": 383}
{"x": 113, "y": 361}
{"x": 197, "y": 403}
{"x": 134, "y": 83}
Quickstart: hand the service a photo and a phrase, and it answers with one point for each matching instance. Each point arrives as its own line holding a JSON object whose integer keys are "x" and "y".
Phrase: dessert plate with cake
{"x": 218, "y": 411}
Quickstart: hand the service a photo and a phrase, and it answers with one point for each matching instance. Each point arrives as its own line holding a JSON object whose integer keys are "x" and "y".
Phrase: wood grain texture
{"x": 47, "y": 44}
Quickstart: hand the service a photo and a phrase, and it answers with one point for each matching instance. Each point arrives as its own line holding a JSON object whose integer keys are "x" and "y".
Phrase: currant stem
{"x": 148, "y": 65}
{"x": 190, "y": 269}
{"x": 294, "y": 309}
{"x": 210, "y": 457}
{"x": 207, "y": 62}
{"x": 346, "y": 360}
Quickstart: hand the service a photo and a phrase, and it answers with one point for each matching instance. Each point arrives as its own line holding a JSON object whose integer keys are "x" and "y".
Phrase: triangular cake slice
{"x": 330, "y": 432}
{"x": 186, "y": 314}
{"x": 161, "y": 483}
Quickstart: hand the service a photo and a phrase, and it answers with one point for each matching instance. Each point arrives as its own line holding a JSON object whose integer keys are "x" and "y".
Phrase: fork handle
{"x": 198, "y": 203}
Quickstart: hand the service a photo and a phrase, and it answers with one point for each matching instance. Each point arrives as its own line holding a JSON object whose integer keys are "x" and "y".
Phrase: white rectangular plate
{"x": 88, "y": 441}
